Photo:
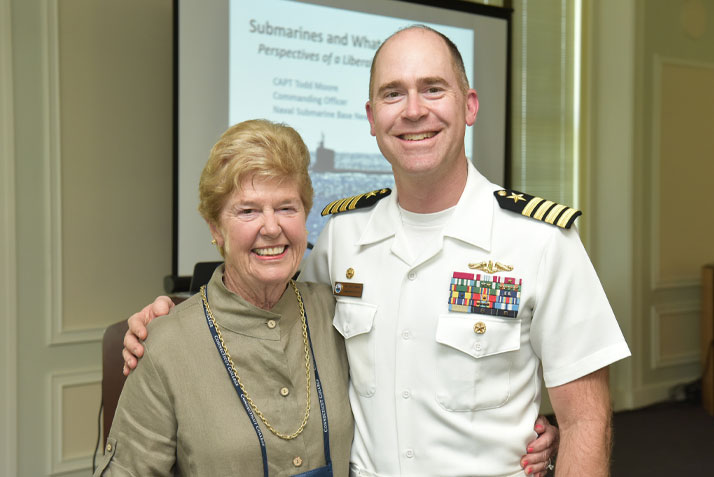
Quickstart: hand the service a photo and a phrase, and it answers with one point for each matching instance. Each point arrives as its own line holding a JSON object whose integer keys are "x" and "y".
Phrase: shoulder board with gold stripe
{"x": 356, "y": 202}
{"x": 537, "y": 208}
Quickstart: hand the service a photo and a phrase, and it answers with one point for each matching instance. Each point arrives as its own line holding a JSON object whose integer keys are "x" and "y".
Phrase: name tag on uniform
{"x": 485, "y": 294}
{"x": 347, "y": 289}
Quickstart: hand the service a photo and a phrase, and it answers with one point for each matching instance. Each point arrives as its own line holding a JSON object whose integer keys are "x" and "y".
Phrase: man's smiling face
{"x": 417, "y": 110}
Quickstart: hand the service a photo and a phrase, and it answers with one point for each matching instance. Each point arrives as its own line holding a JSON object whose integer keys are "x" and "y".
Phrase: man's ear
{"x": 370, "y": 117}
{"x": 471, "y": 107}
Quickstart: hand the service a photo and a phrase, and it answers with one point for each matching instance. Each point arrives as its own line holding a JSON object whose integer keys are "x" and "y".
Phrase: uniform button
{"x": 406, "y": 394}
{"x": 406, "y": 335}
{"x": 109, "y": 447}
{"x": 409, "y": 453}
{"x": 271, "y": 324}
{"x": 297, "y": 461}
{"x": 284, "y": 391}
{"x": 480, "y": 328}
{"x": 412, "y": 275}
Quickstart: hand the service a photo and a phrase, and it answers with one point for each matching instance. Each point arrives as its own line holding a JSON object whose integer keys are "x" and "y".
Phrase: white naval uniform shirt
{"x": 429, "y": 395}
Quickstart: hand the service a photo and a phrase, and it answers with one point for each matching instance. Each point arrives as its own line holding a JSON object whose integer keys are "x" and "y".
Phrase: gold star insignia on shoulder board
{"x": 537, "y": 208}
{"x": 355, "y": 202}
{"x": 516, "y": 197}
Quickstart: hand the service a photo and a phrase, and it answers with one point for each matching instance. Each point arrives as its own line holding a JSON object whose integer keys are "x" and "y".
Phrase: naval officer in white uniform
{"x": 421, "y": 355}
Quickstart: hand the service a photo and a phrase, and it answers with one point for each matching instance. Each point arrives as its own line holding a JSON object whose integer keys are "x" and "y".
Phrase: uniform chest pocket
{"x": 355, "y": 322}
{"x": 474, "y": 360}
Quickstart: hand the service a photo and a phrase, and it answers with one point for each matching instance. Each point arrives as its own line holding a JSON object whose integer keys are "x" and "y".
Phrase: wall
{"x": 606, "y": 151}
{"x": 649, "y": 123}
{"x": 92, "y": 121}
{"x": 8, "y": 276}
{"x": 674, "y": 163}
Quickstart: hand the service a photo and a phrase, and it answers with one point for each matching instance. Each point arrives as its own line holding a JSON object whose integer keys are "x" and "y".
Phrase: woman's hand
{"x": 542, "y": 450}
{"x": 133, "y": 349}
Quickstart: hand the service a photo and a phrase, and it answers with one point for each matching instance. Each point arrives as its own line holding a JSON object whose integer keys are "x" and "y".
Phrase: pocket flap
{"x": 353, "y": 318}
{"x": 499, "y": 335}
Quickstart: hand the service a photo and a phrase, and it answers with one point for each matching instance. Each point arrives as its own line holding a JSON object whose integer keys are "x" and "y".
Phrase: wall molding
{"x": 656, "y": 393}
{"x": 53, "y": 165}
{"x": 8, "y": 251}
{"x": 676, "y": 285}
{"x": 655, "y": 277}
{"x": 657, "y": 312}
{"x": 58, "y": 382}
{"x": 656, "y": 280}
{"x": 682, "y": 62}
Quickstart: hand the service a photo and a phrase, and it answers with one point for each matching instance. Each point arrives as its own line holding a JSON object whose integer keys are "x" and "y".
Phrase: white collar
{"x": 471, "y": 222}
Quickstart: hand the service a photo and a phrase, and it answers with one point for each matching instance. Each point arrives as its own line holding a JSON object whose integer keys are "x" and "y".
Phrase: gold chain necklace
{"x": 240, "y": 383}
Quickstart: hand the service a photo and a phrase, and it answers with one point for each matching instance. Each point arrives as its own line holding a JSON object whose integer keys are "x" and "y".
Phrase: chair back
{"x": 112, "y": 376}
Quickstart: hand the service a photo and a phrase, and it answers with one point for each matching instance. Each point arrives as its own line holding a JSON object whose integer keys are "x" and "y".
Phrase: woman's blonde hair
{"x": 255, "y": 148}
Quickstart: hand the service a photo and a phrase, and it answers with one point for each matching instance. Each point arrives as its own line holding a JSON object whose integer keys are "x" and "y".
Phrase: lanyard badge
{"x": 326, "y": 470}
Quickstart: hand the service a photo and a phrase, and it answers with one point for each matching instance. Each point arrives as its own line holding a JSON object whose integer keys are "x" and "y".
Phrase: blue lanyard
{"x": 246, "y": 406}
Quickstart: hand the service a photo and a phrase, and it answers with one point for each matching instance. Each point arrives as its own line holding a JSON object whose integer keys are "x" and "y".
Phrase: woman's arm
{"x": 542, "y": 450}
{"x": 142, "y": 440}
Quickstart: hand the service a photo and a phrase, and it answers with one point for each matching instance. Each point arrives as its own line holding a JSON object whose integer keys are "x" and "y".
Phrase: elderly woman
{"x": 247, "y": 377}
{"x": 179, "y": 408}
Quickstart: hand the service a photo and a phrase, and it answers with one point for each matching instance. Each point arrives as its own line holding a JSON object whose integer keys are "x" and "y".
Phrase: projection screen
{"x": 306, "y": 64}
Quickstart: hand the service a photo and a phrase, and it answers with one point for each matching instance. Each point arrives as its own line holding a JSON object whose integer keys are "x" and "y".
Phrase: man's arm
{"x": 133, "y": 349}
{"x": 582, "y": 408}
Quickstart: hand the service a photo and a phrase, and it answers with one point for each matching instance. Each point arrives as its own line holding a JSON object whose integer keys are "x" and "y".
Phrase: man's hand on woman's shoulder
{"x": 133, "y": 349}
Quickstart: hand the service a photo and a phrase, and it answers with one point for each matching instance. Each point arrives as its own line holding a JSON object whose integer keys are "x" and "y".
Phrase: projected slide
{"x": 308, "y": 66}
{"x": 306, "y": 63}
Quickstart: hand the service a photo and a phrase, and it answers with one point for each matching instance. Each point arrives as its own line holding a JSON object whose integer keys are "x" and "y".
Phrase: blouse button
{"x": 297, "y": 461}
{"x": 284, "y": 392}
{"x": 271, "y": 324}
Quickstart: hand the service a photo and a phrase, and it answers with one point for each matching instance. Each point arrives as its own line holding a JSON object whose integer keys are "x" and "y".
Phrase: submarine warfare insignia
{"x": 537, "y": 208}
{"x": 485, "y": 294}
{"x": 355, "y": 202}
{"x": 490, "y": 268}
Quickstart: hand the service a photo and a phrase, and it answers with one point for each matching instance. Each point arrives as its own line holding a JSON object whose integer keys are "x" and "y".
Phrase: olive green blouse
{"x": 179, "y": 413}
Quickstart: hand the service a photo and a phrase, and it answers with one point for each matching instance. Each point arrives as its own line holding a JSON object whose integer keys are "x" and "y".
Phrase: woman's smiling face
{"x": 263, "y": 235}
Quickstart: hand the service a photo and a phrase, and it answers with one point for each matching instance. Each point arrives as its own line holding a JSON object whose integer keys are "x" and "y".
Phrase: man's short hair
{"x": 456, "y": 59}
